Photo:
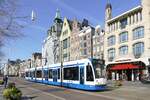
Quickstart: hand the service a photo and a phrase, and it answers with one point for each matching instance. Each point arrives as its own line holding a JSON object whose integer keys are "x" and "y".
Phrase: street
{"x": 36, "y": 91}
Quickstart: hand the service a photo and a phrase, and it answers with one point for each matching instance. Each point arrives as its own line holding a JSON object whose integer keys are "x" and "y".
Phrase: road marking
{"x": 57, "y": 97}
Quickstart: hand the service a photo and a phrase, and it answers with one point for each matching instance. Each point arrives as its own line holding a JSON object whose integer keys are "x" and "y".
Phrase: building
{"x": 127, "y": 42}
{"x": 86, "y": 40}
{"x": 12, "y": 67}
{"x": 74, "y": 40}
{"x": 98, "y": 43}
{"x": 51, "y": 45}
{"x": 36, "y": 60}
{"x": 47, "y": 51}
{"x": 25, "y": 64}
{"x": 65, "y": 40}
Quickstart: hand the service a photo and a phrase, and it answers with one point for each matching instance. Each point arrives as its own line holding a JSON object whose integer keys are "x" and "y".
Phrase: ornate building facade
{"x": 51, "y": 45}
{"x": 127, "y": 42}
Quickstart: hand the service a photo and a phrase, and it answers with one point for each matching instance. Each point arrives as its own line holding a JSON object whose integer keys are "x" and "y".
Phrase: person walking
{"x": 5, "y": 80}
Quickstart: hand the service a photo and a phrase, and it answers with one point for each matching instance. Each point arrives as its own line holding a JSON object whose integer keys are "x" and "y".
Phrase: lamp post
{"x": 149, "y": 67}
{"x": 8, "y": 67}
{"x": 45, "y": 62}
{"x": 32, "y": 16}
{"x": 102, "y": 51}
{"x": 61, "y": 68}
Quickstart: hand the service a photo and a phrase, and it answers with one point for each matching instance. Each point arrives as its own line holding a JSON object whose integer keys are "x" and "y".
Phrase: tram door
{"x": 81, "y": 75}
{"x": 46, "y": 75}
{"x": 55, "y": 75}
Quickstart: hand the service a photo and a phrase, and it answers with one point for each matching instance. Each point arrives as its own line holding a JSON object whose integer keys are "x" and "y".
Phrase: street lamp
{"x": 33, "y": 16}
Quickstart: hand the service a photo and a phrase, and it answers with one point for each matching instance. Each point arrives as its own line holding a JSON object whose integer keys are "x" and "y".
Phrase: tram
{"x": 85, "y": 74}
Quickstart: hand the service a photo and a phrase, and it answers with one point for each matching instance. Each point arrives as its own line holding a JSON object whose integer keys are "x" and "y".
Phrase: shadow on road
{"x": 28, "y": 97}
{"x": 53, "y": 90}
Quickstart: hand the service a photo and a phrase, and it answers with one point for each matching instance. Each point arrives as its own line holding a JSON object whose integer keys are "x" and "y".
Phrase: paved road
{"x": 35, "y": 91}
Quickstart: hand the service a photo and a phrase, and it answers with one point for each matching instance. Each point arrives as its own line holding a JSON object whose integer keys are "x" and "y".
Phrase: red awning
{"x": 124, "y": 66}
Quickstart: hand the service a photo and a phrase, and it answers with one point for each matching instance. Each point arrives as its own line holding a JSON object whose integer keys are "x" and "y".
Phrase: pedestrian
{"x": 5, "y": 80}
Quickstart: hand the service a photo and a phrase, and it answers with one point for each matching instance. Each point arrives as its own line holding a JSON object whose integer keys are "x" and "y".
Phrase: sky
{"x": 35, "y": 32}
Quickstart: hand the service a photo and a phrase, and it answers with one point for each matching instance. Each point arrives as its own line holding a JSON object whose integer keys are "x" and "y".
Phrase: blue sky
{"x": 35, "y": 32}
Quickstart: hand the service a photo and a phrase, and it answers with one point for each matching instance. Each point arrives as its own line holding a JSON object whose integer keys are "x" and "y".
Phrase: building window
{"x": 111, "y": 40}
{"x": 84, "y": 37}
{"x": 65, "y": 32}
{"x": 111, "y": 54}
{"x": 138, "y": 49}
{"x": 85, "y": 52}
{"x": 141, "y": 16}
{"x": 138, "y": 33}
{"x": 94, "y": 42}
{"x": 116, "y": 25}
{"x": 123, "y": 50}
{"x": 85, "y": 44}
{"x": 65, "y": 44}
{"x": 123, "y": 23}
{"x": 136, "y": 17}
{"x": 81, "y": 44}
{"x": 98, "y": 49}
{"x": 64, "y": 24}
{"x": 65, "y": 55}
{"x": 123, "y": 37}
{"x": 94, "y": 49}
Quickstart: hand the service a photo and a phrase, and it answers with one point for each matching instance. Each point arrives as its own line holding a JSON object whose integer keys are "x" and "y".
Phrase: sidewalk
{"x": 128, "y": 83}
{"x": 1, "y": 89}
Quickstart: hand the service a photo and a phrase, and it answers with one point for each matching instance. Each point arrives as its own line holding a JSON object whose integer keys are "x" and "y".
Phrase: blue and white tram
{"x": 86, "y": 74}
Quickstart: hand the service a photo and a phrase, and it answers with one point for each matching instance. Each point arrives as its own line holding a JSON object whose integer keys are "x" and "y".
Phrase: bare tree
{"x": 9, "y": 27}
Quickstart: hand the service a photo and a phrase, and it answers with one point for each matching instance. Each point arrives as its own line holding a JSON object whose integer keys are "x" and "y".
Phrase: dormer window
{"x": 123, "y": 23}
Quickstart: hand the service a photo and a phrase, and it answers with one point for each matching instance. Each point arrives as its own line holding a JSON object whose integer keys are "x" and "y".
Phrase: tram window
{"x": 71, "y": 73}
{"x": 27, "y": 74}
{"x": 33, "y": 73}
{"x": 58, "y": 73}
{"x": 45, "y": 73}
{"x": 50, "y": 73}
{"x": 39, "y": 74}
{"x": 30, "y": 74}
{"x": 89, "y": 73}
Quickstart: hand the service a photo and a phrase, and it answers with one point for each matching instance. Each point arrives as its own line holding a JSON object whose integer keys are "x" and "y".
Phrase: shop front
{"x": 130, "y": 71}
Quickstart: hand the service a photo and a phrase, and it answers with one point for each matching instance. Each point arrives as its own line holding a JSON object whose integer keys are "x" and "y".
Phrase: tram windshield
{"x": 98, "y": 66}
